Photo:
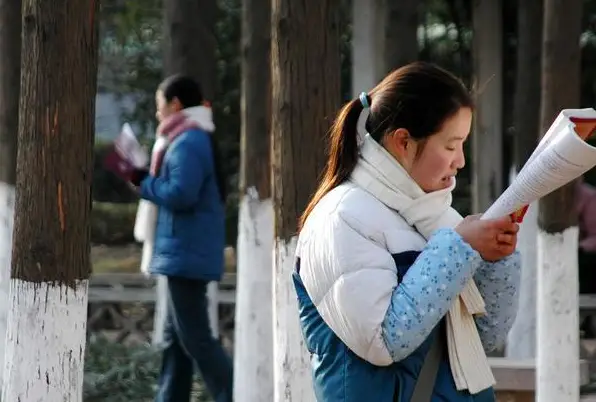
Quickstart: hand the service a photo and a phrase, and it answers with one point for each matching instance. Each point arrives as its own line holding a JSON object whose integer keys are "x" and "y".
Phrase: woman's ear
{"x": 398, "y": 143}
{"x": 401, "y": 146}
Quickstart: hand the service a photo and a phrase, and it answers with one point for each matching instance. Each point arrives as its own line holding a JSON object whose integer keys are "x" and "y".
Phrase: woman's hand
{"x": 137, "y": 176}
{"x": 493, "y": 239}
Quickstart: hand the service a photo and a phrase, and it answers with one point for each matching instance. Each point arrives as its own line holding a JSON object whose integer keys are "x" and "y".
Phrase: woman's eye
{"x": 450, "y": 149}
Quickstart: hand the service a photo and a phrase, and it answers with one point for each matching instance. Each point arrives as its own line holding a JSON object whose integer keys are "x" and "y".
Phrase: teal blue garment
{"x": 190, "y": 231}
{"x": 341, "y": 376}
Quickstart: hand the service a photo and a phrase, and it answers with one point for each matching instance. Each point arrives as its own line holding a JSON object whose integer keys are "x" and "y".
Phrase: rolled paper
{"x": 560, "y": 157}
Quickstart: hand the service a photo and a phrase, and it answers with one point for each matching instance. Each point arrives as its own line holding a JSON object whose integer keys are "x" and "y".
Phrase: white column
{"x": 558, "y": 317}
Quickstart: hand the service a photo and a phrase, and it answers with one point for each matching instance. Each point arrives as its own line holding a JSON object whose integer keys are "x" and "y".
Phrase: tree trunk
{"x": 522, "y": 337}
{"x": 253, "y": 346}
{"x": 527, "y": 92}
{"x": 50, "y": 259}
{"x": 487, "y": 183}
{"x": 189, "y": 48}
{"x": 189, "y": 41}
{"x": 376, "y": 52}
{"x": 400, "y": 41}
{"x": 10, "y": 80}
{"x": 508, "y": 61}
{"x": 558, "y": 322}
{"x": 306, "y": 95}
{"x": 460, "y": 13}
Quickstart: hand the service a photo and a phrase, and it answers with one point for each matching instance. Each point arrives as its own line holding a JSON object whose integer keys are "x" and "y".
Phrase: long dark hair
{"x": 418, "y": 97}
{"x": 189, "y": 94}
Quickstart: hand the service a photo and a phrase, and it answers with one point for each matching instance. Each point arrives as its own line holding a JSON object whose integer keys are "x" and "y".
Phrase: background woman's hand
{"x": 493, "y": 239}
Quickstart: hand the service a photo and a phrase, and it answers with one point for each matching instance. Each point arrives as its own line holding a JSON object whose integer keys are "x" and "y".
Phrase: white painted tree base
{"x": 558, "y": 322}
{"x": 292, "y": 370}
{"x": 521, "y": 343}
{"x": 46, "y": 342}
{"x": 253, "y": 344}
{"x": 6, "y": 224}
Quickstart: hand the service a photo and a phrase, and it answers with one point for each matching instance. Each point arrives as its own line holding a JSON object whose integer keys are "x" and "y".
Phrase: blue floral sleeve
{"x": 499, "y": 285}
{"x": 427, "y": 291}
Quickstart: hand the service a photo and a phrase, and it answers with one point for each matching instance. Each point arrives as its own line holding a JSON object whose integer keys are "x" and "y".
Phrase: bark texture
{"x": 56, "y": 135}
{"x": 190, "y": 44}
{"x": 306, "y": 96}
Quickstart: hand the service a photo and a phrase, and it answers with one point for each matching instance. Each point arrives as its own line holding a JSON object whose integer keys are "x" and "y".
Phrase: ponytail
{"x": 343, "y": 154}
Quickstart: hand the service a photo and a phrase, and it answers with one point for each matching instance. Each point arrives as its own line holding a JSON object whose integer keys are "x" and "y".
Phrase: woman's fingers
{"x": 506, "y": 238}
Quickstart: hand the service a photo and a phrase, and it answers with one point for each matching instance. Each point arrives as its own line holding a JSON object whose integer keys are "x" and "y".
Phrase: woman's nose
{"x": 460, "y": 162}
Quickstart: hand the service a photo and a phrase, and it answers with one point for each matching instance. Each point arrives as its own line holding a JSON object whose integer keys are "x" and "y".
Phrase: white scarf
{"x": 381, "y": 175}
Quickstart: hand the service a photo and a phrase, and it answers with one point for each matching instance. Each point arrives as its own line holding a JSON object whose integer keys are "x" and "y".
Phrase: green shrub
{"x": 113, "y": 223}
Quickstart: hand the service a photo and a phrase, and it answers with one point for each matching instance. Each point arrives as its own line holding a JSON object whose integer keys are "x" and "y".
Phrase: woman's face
{"x": 165, "y": 108}
{"x": 434, "y": 163}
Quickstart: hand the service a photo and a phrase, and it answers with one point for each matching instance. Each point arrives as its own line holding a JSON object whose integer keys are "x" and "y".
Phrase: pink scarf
{"x": 170, "y": 128}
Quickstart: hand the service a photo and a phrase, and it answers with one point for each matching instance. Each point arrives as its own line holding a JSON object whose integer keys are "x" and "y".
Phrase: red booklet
{"x": 118, "y": 165}
{"x": 126, "y": 155}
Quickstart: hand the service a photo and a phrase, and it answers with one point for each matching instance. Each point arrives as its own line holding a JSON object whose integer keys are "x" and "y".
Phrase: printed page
{"x": 561, "y": 158}
{"x": 562, "y": 121}
{"x": 130, "y": 149}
